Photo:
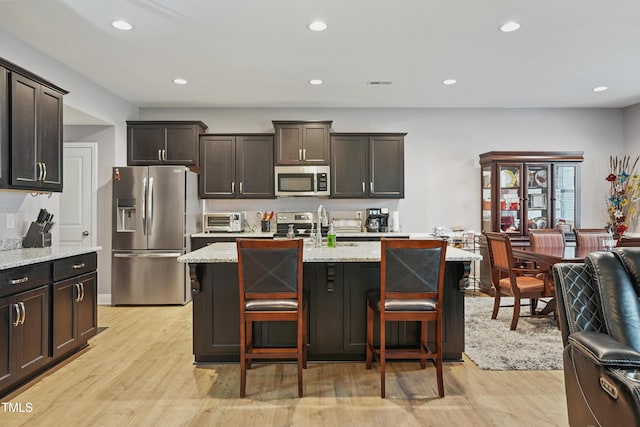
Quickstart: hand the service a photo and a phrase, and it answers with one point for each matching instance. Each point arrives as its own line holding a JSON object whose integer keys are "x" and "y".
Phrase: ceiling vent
{"x": 380, "y": 83}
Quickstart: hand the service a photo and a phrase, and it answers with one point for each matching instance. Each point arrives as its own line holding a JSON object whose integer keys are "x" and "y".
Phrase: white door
{"x": 78, "y": 201}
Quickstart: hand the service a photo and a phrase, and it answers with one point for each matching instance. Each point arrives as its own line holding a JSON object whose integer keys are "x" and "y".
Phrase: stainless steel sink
{"x": 346, "y": 243}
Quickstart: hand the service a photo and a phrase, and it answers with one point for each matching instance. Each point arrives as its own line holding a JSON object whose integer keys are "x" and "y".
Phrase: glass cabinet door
{"x": 538, "y": 196}
{"x": 564, "y": 194}
{"x": 487, "y": 220}
{"x": 510, "y": 197}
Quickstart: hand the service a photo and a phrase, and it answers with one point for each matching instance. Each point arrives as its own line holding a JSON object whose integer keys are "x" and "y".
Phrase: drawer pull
{"x": 18, "y": 281}
{"x": 78, "y": 266}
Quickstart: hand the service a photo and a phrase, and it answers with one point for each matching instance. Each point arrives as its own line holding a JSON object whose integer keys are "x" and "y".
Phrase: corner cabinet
{"x": 236, "y": 166}
{"x": 302, "y": 143}
{"x": 367, "y": 165}
{"x": 163, "y": 142}
{"x": 529, "y": 190}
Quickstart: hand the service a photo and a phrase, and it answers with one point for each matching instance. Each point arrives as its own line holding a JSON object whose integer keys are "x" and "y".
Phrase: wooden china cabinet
{"x": 523, "y": 190}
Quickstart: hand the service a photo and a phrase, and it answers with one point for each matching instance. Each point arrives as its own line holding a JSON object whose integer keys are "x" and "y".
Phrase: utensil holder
{"x": 36, "y": 237}
{"x": 265, "y": 226}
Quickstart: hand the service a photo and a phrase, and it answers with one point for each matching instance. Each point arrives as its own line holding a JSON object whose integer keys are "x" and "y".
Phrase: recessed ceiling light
{"x": 180, "y": 81}
{"x": 315, "y": 82}
{"x": 449, "y": 82}
{"x": 317, "y": 26}
{"x": 509, "y": 27}
{"x": 122, "y": 25}
{"x": 600, "y": 88}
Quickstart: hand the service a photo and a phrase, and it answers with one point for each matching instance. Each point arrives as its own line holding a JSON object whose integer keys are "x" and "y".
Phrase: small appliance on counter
{"x": 346, "y": 221}
{"x": 377, "y": 220}
{"x": 222, "y": 222}
{"x": 303, "y": 223}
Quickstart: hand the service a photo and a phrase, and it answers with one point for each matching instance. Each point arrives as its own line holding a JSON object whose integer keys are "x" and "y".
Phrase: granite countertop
{"x": 247, "y": 234}
{"x": 254, "y": 234}
{"x": 344, "y": 252}
{"x": 26, "y": 256}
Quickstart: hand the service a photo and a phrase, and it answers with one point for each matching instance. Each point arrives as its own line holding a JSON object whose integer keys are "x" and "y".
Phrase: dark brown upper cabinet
{"x": 302, "y": 143}
{"x": 236, "y": 166}
{"x": 367, "y": 165}
{"x": 163, "y": 142}
{"x": 4, "y": 126}
{"x": 36, "y": 134}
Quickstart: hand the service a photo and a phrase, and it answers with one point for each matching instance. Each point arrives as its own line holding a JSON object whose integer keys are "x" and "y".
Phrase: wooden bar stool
{"x": 270, "y": 281}
{"x": 411, "y": 283}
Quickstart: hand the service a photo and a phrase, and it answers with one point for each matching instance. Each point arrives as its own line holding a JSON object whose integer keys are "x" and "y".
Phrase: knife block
{"x": 36, "y": 237}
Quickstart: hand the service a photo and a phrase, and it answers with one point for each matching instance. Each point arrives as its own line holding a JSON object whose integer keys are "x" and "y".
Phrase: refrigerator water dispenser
{"x": 126, "y": 212}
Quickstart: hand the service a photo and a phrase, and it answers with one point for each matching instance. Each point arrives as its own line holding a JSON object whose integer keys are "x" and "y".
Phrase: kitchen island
{"x": 336, "y": 281}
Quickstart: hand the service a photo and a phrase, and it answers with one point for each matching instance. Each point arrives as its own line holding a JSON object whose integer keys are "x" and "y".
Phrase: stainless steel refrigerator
{"x": 155, "y": 210}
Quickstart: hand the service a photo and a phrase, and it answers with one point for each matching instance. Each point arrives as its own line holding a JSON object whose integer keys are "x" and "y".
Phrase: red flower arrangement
{"x": 624, "y": 193}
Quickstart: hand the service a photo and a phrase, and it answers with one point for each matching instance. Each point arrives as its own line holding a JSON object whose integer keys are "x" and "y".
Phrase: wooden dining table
{"x": 545, "y": 258}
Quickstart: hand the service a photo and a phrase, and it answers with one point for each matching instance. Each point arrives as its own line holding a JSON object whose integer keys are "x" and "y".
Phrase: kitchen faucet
{"x": 322, "y": 216}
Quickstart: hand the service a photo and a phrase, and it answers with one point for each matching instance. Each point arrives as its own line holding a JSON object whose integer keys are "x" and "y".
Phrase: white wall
{"x": 442, "y": 147}
{"x": 90, "y": 98}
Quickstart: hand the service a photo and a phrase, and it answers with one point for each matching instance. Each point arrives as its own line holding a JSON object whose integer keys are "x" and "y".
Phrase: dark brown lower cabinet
{"x": 47, "y": 311}
{"x": 337, "y": 313}
{"x": 24, "y": 334}
{"x": 75, "y": 308}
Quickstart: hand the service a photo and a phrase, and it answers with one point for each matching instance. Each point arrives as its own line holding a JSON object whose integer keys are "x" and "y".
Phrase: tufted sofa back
{"x": 601, "y": 295}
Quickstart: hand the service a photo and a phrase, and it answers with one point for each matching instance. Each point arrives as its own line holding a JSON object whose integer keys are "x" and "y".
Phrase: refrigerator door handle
{"x": 150, "y": 204}
{"x": 158, "y": 255}
{"x": 144, "y": 206}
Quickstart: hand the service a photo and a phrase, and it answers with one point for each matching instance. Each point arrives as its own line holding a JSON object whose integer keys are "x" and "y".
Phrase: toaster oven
{"x": 222, "y": 222}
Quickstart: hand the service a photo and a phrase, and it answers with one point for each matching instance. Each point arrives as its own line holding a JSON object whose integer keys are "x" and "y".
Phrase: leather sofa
{"x": 598, "y": 306}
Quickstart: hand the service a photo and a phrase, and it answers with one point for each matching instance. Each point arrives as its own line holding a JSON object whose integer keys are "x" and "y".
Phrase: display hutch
{"x": 523, "y": 190}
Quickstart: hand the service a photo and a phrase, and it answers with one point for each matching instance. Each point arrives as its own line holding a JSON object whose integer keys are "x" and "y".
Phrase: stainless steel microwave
{"x": 302, "y": 181}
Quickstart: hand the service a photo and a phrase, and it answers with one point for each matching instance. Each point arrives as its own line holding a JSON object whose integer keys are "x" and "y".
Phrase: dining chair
{"x": 591, "y": 237}
{"x": 270, "y": 282}
{"x": 542, "y": 238}
{"x": 546, "y": 238}
{"x": 509, "y": 280}
{"x": 411, "y": 286}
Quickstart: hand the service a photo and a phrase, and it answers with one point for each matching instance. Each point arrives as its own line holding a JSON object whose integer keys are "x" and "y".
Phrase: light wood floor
{"x": 139, "y": 371}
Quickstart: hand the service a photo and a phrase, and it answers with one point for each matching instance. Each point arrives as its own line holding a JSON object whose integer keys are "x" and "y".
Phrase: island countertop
{"x": 344, "y": 252}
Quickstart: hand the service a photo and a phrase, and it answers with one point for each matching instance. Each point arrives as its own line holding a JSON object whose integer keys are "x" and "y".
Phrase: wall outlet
{"x": 10, "y": 220}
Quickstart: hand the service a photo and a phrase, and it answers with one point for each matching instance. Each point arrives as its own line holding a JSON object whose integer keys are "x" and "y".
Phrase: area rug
{"x": 535, "y": 345}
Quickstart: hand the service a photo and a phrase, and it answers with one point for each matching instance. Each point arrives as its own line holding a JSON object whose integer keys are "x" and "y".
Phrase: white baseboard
{"x": 104, "y": 299}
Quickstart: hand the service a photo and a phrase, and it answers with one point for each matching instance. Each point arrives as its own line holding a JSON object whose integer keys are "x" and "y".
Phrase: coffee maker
{"x": 377, "y": 220}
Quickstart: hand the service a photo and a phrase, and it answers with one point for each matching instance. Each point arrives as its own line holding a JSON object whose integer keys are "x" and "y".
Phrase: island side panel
{"x": 337, "y": 321}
